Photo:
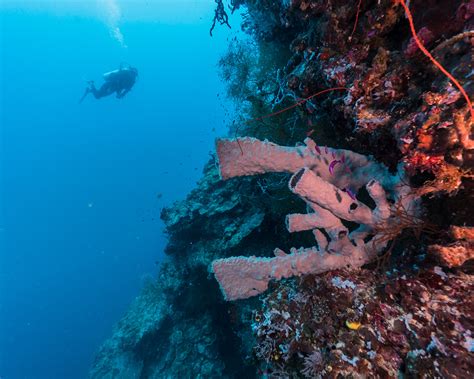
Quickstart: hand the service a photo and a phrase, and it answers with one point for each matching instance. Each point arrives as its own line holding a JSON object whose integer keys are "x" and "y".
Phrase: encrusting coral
{"x": 345, "y": 324}
{"x": 327, "y": 180}
{"x": 458, "y": 252}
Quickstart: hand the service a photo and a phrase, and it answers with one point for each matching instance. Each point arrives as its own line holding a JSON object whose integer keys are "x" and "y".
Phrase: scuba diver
{"x": 119, "y": 81}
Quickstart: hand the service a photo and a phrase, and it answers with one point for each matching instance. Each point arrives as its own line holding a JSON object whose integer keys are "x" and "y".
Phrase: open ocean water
{"x": 82, "y": 185}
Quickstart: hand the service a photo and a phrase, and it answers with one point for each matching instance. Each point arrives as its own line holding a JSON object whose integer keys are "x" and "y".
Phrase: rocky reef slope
{"x": 180, "y": 326}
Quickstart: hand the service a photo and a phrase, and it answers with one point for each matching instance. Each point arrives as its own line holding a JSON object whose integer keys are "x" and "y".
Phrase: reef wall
{"x": 350, "y": 75}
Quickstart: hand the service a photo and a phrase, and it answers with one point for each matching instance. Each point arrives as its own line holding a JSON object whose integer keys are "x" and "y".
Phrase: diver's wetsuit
{"x": 119, "y": 81}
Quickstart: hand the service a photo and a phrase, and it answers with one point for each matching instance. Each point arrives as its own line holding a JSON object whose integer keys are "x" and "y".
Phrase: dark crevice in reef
{"x": 404, "y": 314}
{"x": 229, "y": 343}
{"x": 454, "y": 210}
{"x": 150, "y": 345}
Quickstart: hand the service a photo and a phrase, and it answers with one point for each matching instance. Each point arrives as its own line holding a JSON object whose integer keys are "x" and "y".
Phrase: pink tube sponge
{"x": 244, "y": 277}
{"x": 250, "y": 156}
{"x": 326, "y": 189}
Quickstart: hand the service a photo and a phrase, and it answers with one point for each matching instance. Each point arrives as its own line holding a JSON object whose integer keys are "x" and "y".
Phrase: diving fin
{"x": 86, "y": 92}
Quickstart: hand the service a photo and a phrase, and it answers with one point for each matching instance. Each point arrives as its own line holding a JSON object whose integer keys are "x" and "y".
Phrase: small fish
{"x": 333, "y": 164}
{"x": 353, "y": 325}
{"x": 350, "y": 193}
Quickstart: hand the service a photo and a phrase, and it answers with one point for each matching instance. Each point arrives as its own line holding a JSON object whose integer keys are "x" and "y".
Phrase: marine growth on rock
{"x": 336, "y": 216}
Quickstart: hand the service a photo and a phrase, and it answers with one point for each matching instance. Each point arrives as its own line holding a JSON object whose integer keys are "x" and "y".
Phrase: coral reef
{"x": 382, "y": 103}
{"x": 419, "y": 325}
{"x": 396, "y": 79}
{"x": 458, "y": 252}
{"x": 388, "y": 84}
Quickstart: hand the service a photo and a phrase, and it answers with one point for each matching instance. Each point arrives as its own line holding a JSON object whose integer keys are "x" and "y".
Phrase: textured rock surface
{"x": 120, "y": 355}
{"x": 179, "y": 327}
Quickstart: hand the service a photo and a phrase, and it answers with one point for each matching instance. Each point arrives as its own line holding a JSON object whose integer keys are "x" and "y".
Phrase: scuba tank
{"x": 111, "y": 74}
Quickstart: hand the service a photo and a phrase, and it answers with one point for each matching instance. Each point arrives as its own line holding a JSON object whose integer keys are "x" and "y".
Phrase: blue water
{"x": 81, "y": 183}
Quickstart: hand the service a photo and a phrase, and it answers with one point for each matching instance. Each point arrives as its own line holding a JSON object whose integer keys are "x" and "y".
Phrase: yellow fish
{"x": 353, "y": 325}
